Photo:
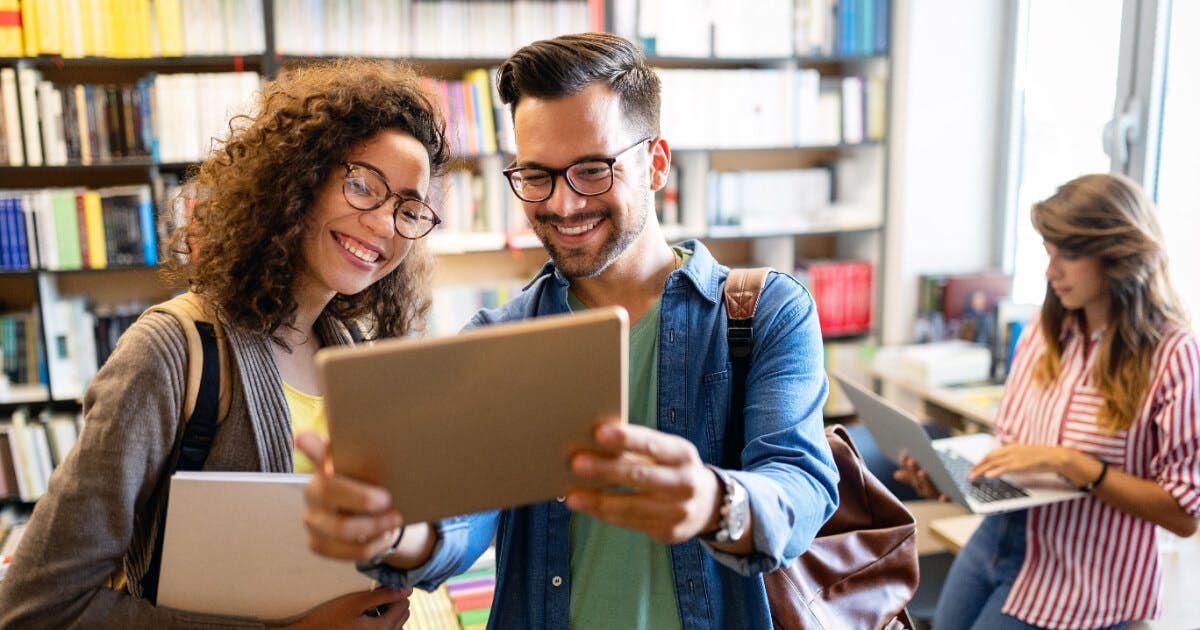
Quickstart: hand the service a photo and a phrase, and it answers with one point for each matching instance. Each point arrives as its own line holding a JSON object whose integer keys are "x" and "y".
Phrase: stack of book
{"x": 462, "y": 603}
{"x": 471, "y": 592}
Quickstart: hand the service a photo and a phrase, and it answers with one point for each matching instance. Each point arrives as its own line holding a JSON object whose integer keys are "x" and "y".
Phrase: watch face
{"x": 738, "y": 512}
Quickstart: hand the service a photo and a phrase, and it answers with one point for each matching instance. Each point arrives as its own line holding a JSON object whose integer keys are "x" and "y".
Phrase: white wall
{"x": 948, "y": 104}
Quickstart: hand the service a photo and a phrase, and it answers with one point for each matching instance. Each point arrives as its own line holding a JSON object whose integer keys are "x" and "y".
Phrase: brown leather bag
{"x": 861, "y": 570}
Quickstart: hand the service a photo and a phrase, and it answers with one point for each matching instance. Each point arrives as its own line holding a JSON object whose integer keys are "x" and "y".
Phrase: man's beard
{"x": 577, "y": 265}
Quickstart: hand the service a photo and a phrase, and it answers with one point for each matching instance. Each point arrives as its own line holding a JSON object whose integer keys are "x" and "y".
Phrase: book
{"x": 66, "y": 225}
{"x": 10, "y": 29}
{"x": 27, "y": 82}
{"x": 12, "y": 117}
{"x": 62, "y": 433}
{"x": 235, "y": 545}
{"x": 94, "y": 221}
{"x": 10, "y": 486}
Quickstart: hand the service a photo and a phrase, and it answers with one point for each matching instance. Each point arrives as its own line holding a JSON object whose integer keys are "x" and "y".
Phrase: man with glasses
{"x": 683, "y": 543}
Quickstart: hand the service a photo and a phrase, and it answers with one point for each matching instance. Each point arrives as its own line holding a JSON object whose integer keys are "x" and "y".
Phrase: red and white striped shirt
{"x": 1087, "y": 564}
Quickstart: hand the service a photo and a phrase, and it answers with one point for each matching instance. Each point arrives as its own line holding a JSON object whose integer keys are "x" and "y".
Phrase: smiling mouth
{"x": 576, "y": 229}
{"x": 357, "y": 248}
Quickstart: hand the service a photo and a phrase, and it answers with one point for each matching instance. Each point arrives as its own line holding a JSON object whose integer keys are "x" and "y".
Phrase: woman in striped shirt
{"x": 1105, "y": 391}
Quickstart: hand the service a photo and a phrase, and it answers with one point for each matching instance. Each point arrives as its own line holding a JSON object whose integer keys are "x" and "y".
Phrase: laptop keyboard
{"x": 982, "y": 490}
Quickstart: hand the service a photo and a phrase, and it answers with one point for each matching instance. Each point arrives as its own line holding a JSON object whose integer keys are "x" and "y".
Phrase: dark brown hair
{"x": 1111, "y": 218}
{"x": 254, "y": 195}
{"x": 564, "y": 66}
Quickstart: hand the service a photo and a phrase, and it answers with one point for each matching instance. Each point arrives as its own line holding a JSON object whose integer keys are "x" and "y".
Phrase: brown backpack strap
{"x": 742, "y": 289}
{"x": 192, "y": 309}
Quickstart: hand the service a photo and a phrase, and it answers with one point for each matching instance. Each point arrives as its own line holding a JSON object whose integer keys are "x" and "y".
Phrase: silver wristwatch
{"x": 735, "y": 509}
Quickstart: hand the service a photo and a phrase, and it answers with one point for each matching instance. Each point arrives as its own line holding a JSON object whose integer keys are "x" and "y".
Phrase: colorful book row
{"x": 168, "y": 118}
{"x": 130, "y": 28}
{"x": 173, "y": 118}
{"x": 479, "y": 123}
{"x": 74, "y": 228}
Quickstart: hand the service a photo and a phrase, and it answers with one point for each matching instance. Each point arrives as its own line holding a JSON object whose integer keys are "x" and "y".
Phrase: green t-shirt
{"x": 620, "y": 578}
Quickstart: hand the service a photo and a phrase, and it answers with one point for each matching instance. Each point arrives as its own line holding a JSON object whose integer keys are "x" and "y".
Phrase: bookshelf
{"x": 777, "y": 119}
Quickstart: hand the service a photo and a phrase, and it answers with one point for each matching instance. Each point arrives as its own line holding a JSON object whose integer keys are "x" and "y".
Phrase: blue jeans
{"x": 982, "y": 575}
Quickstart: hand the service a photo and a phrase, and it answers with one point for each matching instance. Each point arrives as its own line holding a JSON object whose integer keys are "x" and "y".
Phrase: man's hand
{"x": 346, "y": 519}
{"x": 671, "y": 495}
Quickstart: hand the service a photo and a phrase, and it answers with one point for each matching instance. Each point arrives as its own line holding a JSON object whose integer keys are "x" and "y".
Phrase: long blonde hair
{"x": 1110, "y": 217}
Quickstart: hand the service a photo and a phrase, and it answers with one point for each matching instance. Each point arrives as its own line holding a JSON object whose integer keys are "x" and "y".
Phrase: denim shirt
{"x": 787, "y": 469}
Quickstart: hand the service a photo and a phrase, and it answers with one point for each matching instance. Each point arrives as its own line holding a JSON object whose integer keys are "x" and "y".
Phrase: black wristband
{"x": 379, "y": 558}
{"x": 400, "y": 534}
{"x": 1099, "y": 478}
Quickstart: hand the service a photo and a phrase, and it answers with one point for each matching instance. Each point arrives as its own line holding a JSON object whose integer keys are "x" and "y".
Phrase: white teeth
{"x": 364, "y": 255}
{"x": 574, "y": 230}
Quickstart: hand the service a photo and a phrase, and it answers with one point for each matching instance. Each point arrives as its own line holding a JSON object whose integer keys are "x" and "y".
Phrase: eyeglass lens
{"x": 367, "y": 190}
{"x": 585, "y": 178}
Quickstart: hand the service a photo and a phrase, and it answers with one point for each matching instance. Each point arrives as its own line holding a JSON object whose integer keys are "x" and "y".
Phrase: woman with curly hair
{"x": 306, "y": 226}
{"x": 1105, "y": 392}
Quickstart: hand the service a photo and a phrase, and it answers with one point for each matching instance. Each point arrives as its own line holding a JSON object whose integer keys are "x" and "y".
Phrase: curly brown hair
{"x": 253, "y": 197}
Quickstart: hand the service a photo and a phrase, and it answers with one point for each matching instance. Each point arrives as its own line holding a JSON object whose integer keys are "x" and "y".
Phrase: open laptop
{"x": 949, "y": 460}
{"x": 481, "y": 420}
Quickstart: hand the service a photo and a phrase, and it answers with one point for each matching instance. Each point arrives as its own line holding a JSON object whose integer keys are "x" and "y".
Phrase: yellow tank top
{"x": 308, "y": 414}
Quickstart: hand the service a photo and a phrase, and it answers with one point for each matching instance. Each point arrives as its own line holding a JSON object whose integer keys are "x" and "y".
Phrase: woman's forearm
{"x": 1131, "y": 494}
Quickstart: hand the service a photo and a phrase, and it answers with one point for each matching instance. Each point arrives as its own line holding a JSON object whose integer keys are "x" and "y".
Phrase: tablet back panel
{"x": 482, "y": 420}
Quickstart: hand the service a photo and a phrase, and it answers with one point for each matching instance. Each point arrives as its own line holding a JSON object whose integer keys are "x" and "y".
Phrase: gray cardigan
{"x": 104, "y": 502}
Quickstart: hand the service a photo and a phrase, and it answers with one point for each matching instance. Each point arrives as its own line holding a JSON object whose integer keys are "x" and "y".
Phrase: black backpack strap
{"x": 202, "y": 425}
{"x": 198, "y": 436}
{"x": 742, "y": 290}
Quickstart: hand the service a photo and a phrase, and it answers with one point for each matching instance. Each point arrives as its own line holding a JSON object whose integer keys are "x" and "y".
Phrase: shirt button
{"x": 560, "y": 499}
{"x": 557, "y": 581}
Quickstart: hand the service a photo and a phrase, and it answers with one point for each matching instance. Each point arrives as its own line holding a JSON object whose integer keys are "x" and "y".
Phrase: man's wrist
{"x": 733, "y": 513}
{"x": 714, "y": 517}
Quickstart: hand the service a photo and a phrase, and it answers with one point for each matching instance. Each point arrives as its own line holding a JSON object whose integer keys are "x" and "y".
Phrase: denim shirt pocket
{"x": 716, "y": 414}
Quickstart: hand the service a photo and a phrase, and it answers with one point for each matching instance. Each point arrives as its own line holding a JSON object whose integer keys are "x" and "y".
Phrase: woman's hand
{"x": 380, "y": 608}
{"x": 1012, "y": 458}
{"x": 912, "y": 474}
{"x": 346, "y": 519}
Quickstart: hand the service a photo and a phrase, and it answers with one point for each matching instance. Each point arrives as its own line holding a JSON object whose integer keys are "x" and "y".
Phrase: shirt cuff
{"x": 451, "y": 544}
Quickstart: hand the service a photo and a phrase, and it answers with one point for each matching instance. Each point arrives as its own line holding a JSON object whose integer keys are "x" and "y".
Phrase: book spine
{"x": 85, "y": 259}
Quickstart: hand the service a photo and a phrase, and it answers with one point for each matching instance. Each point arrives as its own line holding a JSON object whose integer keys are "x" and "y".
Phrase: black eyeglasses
{"x": 366, "y": 189}
{"x": 586, "y": 177}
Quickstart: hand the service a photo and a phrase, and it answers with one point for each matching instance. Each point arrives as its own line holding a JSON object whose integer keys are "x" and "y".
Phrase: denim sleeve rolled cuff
{"x": 773, "y": 522}
{"x": 451, "y": 544}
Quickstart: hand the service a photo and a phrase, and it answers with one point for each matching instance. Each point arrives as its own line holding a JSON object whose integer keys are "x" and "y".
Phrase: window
{"x": 1176, "y": 181}
{"x": 1064, "y": 89}
{"x": 1135, "y": 63}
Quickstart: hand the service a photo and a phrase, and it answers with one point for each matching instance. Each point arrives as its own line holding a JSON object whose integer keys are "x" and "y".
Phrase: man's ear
{"x": 660, "y": 163}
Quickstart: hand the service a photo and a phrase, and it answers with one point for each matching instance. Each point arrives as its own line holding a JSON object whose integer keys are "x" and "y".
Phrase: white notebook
{"x": 235, "y": 545}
